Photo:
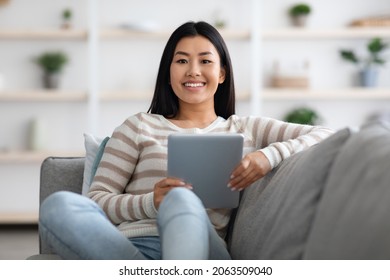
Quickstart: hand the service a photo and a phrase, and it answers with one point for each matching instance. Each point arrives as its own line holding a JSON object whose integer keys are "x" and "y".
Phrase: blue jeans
{"x": 77, "y": 228}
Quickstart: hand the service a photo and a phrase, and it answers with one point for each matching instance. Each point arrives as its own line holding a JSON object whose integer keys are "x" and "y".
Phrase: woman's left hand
{"x": 252, "y": 167}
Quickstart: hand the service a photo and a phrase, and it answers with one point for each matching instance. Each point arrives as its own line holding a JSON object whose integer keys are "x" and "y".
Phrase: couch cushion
{"x": 353, "y": 221}
{"x": 275, "y": 216}
{"x": 91, "y": 144}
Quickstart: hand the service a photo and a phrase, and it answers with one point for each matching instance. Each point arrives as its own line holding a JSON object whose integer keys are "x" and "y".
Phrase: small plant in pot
{"x": 299, "y": 14}
{"x": 52, "y": 64}
{"x": 66, "y": 18}
{"x": 368, "y": 67}
{"x": 303, "y": 115}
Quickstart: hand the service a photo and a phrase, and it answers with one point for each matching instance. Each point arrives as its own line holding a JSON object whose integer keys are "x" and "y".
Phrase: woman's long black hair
{"x": 164, "y": 101}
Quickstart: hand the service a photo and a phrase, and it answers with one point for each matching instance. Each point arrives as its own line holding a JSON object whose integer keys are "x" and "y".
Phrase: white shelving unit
{"x": 93, "y": 37}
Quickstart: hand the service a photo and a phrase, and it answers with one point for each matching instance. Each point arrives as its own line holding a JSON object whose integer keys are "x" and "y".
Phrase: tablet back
{"x": 206, "y": 161}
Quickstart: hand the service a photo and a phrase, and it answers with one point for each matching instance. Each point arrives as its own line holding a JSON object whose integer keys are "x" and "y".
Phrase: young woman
{"x": 134, "y": 210}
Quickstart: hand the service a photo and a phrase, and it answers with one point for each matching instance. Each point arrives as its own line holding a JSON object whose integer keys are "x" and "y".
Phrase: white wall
{"x": 132, "y": 64}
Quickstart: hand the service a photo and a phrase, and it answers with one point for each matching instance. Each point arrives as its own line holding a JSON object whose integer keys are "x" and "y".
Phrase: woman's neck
{"x": 194, "y": 119}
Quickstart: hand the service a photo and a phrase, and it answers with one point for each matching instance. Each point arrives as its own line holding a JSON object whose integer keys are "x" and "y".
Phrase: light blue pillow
{"x": 98, "y": 158}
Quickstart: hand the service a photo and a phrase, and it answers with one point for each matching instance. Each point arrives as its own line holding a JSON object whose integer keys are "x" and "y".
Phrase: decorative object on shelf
{"x": 67, "y": 18}
{"x": 219, "y": 22}
{"x": 299, "y": 14}
{"x": 52, "y": 64}
{"x": 37, "y": 135}
{"x": 1, "y": 82}
{"x": 369, "y": 66}
{"x": 378, "y": 21}
{"x": 141, "y": 26}
{"x": 303, "y": 115}
{"x": 294, "y": 77}
{"x": 4, "y": 2}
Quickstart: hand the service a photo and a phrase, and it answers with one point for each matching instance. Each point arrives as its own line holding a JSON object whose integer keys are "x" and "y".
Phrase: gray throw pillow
{"x": 353, "y": 218}
{"x": 275, "y": 216}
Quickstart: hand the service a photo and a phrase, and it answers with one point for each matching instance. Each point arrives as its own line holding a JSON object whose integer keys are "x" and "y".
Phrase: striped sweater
{"x": 135, "y": 159}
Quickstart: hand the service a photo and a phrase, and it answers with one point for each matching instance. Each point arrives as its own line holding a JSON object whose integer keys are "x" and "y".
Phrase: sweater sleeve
{"x": 281, "y": 139}
{"x": 114, "y": 173}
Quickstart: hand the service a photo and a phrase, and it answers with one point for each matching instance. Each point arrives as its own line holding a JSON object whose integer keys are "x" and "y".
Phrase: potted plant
{"x": 66, "y": 18}
{"x": 52, "y": 64}
{"x": 369, "y": 65}
{"x": 4, "y": 2}
{"x": 303, "y": 115}
{"x": 299, "y": 13}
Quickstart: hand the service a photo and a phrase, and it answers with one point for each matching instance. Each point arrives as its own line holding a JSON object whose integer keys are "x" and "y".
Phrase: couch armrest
{"x": 60, "y": 174}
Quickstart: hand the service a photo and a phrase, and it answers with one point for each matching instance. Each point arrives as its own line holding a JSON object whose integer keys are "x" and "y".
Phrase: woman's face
{"x": 196, "y": 70}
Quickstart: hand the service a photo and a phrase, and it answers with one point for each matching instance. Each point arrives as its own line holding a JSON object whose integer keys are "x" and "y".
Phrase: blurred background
{"x": 83, "y": 66}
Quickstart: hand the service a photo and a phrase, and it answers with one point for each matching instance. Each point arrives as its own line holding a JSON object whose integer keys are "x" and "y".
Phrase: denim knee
{"x": 52, "y": 206}
{"x": 180, "y": 201}
{"x": 62, "y": 204}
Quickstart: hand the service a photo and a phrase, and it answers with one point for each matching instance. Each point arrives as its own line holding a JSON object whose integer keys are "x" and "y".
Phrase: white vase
{"x": 369, "y": 77}
{"x": 51, "y": 80}
{"x": 299, "y": 21}
{"x": 37, "y": 135}
{"x": 2, "y": 83}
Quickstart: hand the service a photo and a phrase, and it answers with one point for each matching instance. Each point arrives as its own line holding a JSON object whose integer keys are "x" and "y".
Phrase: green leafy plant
{"x": 299, "y": 9}
{"x": 52, "y": 62}
{"x": 67, "y": 14}
{"x": 375, "y": 48}
{"x": 302, "y": 116}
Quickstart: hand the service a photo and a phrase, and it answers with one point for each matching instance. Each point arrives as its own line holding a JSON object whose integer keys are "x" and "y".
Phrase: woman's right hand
{"x": 162, "y": 187}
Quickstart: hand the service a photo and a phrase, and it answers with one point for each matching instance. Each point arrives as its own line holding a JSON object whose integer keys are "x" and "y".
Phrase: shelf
{"x": 326, "y": 33}
{"x": 273, "y": 94}
{"x": 19, "y": 218}
{"x": 20, "y": 157}
{"x": 43, "y": 95}
{"x": 123, "y": 33}
{"x": 126, "y": 95}
{"x": 43, "y": 34}
{"x": 230, "y": 34}
{"x": 129, "y": 95}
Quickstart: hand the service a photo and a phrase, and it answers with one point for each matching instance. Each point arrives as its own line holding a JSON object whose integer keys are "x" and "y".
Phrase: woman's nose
{"x": 193, "y": 70}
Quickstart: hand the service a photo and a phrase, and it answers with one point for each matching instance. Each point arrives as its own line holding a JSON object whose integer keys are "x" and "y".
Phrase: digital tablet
{"x": 206, "y": 161}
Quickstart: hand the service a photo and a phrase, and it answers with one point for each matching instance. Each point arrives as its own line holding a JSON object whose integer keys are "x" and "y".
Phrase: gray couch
{"x": 331, "y": 201}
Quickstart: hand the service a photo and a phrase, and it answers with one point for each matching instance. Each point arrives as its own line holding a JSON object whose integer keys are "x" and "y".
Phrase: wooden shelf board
{"x": 244, "y": 34}
{"x": 43, "y": 95}
{"x": 7, "y": 157}
{"x": 326, "y": 33}
{"x": 129, "y": 95}
{"x": 326, "y": 94}
{"x": 19, "y": 218}
{"x": 122, "y": 33}
{"x": 51, "y": 34}
{"x": 126, "y": 95}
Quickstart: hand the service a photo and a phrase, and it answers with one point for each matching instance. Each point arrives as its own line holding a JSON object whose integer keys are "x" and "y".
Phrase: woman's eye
{"x": 205, "y": 61}
{"x": 182, "y": 61}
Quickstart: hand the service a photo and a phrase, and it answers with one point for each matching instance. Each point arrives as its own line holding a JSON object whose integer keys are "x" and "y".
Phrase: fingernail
{"x": 233, "y": 189}
{"x": 229, "y": 185}
{"x": 231, "y": 176}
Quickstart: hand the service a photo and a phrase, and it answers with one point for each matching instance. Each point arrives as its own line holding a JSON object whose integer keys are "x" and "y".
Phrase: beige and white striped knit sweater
{"x": 135, "y": 159}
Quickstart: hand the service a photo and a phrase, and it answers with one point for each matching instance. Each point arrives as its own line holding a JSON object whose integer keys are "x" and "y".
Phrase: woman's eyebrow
{"x": 187, "y": 54}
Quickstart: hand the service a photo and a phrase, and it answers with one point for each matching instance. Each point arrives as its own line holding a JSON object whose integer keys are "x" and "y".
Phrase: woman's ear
{"x": 222, "y": 75}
